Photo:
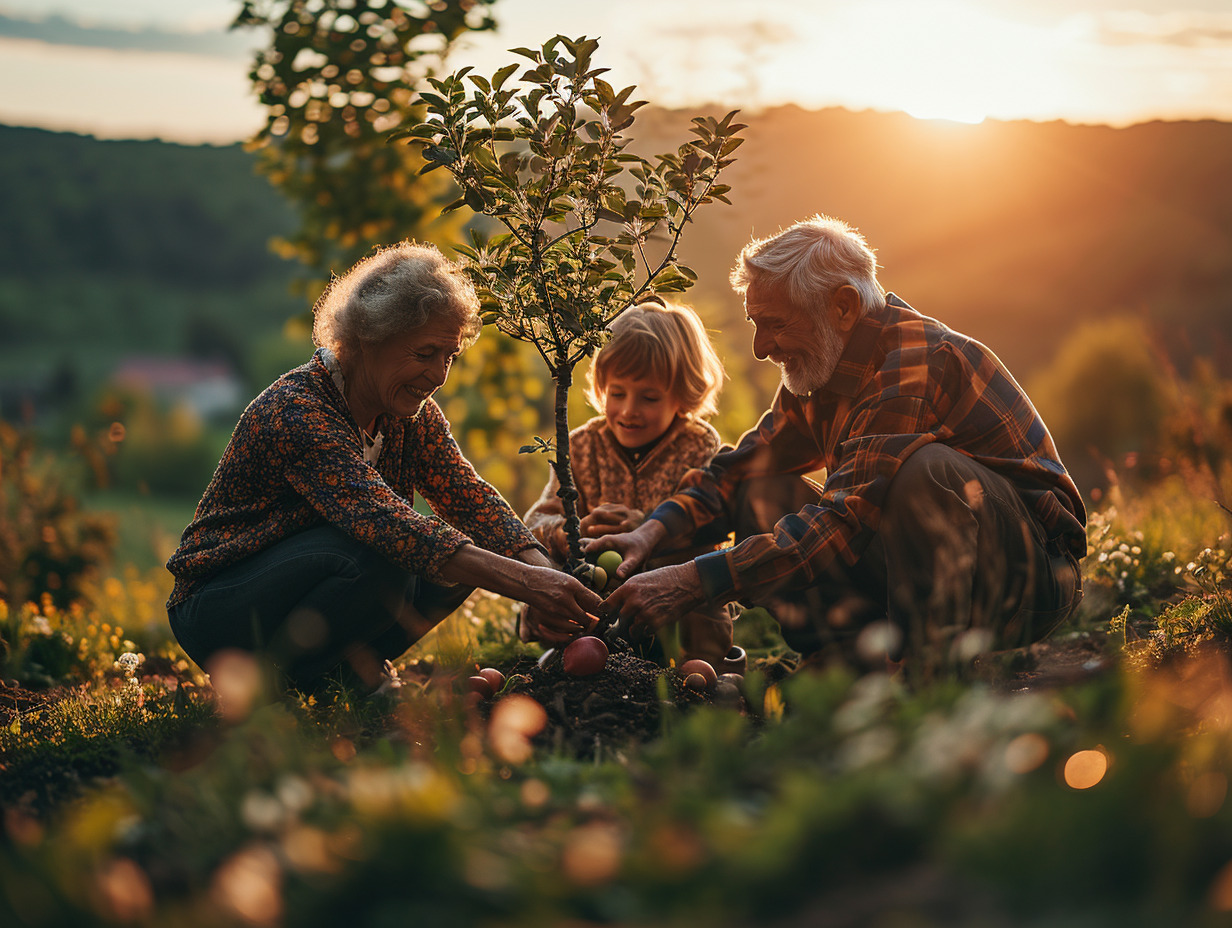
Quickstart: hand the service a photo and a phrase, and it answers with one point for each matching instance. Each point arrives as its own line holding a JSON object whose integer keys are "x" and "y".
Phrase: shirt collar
{"x": 371, "y": 443}
{"x": 855, "y": 365}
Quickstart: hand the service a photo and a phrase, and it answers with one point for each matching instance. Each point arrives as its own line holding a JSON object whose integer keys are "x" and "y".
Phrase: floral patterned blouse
{"x": 296, "y": 460}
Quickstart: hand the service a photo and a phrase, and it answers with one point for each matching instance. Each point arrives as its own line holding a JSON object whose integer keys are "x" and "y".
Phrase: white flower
{"x": 129, "y": 662}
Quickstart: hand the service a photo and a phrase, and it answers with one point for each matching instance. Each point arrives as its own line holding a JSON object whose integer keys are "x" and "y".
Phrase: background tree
{"x": 336, "y": 78}
{"x": 590, "y": 228}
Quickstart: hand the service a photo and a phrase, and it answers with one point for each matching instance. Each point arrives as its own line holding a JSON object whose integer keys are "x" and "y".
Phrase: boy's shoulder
{"x": 699, "y": 430}
{"x": 590, "y": 427}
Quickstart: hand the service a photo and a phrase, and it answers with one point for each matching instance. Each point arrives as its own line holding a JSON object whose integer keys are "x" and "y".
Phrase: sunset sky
{"x": 142, "y": 68}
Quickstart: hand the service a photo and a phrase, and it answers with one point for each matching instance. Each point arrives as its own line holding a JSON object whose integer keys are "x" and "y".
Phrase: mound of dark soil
{"x": 620, "y": 704}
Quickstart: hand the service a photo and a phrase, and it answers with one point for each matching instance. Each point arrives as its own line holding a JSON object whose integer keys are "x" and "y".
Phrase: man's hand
{"x": 635, "y": 547}
{"x": 657, "y": 597}
{"x": 611, "y": 519}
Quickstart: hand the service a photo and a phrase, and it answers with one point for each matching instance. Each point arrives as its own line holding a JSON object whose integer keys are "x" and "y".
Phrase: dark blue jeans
{"x": 312, "y": 604}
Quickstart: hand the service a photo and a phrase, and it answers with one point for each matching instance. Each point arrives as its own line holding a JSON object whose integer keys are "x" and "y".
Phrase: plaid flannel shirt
{"x": 904, "y": 380}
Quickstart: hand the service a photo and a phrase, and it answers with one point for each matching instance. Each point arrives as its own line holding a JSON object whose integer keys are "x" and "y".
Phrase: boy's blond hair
{"x": 666, "y": 342}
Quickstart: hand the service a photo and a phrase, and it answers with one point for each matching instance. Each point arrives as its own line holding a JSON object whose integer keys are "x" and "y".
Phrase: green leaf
{"x": 502, "y": 75}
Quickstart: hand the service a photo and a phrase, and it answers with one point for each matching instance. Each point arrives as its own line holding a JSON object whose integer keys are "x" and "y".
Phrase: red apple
{"x": 696, "y": 681}
{"x": 495, "y": 678}
{"x": 699, "y": 666}
{"x": 480, "y": 685}
{"x": 584, "y": 656}
{"x": 727, "y": 693}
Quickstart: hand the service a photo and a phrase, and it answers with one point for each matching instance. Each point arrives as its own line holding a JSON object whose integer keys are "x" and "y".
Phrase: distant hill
{"x": 110, "y": 249}
{"x": 1013, "y": 232}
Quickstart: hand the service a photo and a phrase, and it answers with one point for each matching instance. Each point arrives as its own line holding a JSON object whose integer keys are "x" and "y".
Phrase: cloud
{"x": 1177, "y": 30}
{"x": 59, "y": 30}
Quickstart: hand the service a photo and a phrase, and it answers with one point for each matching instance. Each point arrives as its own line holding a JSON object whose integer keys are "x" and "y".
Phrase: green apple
{"x": 609, "y": 561}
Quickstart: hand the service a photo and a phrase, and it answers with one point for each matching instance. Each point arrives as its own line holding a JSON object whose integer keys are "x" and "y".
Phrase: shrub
{"x": 47, "y": 543}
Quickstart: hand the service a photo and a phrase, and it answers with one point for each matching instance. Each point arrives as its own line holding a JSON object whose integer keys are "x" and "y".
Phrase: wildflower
{"x": 41, "y": 626}
{"x": 129, "y": 662}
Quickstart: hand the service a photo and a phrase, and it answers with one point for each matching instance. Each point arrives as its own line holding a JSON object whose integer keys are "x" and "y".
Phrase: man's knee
{"x": 932, "y": 488}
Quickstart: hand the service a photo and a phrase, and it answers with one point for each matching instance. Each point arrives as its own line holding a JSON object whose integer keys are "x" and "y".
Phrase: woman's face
{"x": 638, "y": 409}
{"x": 397, "y": 376}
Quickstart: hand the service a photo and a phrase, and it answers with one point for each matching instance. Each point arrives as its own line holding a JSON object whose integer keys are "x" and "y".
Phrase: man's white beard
{"x": 815, "y": 368}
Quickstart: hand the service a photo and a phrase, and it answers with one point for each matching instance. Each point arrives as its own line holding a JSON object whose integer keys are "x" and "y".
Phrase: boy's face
{"x": 638, "y": 409}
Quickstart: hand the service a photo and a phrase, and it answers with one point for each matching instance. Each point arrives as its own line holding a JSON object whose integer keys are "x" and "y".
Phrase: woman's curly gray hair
{"x": 393, "y": 291}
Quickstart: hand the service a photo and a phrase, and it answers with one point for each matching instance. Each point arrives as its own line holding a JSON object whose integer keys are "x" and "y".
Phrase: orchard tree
{"x": 335, "y": 79}
{"x": 587, "y": 227}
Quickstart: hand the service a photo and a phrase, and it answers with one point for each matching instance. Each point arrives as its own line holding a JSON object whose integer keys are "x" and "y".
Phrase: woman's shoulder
{"x": 307, "y": 379}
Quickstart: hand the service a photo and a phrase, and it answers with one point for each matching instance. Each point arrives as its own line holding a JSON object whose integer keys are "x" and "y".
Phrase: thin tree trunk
{"x": 563, "y": 376}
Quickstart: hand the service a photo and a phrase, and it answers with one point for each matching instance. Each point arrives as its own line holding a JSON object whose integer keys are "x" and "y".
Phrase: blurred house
{"x": 212, "y": 389}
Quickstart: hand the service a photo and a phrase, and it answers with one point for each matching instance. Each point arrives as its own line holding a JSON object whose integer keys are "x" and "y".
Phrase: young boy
{"x": 654, "y": 381}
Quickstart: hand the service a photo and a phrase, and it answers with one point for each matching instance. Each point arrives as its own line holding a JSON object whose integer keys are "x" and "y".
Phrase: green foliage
{"x": 47, "y": 543}
{"x": 589, "y": 228}
{"x": 145, "y": 797}
{"x": 546, "y": 157}
{"x": 162, "y": 449}
{"x": 1103, "y": 397}
{"x": 337, "y": 76}
{"x": 176, "y": 215}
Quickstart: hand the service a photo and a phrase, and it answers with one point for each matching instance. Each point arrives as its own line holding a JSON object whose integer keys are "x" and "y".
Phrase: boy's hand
{"x": 634, "y": 547}
{"x": 611, "y": 519}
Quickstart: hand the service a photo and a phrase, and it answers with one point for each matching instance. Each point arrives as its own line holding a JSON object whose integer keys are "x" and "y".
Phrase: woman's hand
{"x": 611, "y": 519}
{"x": 559, "y": 607}
{"x": 559, "y": 604}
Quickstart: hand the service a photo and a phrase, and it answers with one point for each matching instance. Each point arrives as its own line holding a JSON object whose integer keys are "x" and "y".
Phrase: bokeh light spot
{"x": 1085, "y": 769}
{"x": 1026, "y": 752}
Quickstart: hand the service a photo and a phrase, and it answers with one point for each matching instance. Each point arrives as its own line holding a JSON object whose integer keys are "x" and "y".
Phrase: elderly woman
{"x": 306, "y": 547}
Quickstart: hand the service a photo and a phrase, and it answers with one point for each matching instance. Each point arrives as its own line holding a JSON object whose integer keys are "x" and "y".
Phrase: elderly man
{"x": 945, "y": 507}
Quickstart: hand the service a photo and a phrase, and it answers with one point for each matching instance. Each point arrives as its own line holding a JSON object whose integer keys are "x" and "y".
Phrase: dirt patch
{"x": 622, "y": 703}
{"x": 1049, "y": 664}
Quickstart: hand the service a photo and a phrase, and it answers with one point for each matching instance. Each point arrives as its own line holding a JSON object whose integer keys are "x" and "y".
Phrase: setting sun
{"x": 950, "y": 60}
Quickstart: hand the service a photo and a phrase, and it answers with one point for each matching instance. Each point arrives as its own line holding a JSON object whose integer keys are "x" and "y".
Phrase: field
{"x": 1081, "y": 782}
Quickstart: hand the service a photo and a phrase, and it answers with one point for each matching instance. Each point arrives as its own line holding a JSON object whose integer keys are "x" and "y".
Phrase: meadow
{"x": 1080, "y": 782}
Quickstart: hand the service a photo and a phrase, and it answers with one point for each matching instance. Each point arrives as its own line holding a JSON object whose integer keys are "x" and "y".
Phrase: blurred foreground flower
{"x": 515, "y": 720}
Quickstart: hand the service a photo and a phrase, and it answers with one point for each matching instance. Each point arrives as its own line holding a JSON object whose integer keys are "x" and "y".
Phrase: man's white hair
{"x": 808, "y": 262}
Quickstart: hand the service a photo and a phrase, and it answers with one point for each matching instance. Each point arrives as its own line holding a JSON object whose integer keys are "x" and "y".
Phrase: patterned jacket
{"x": 604, "y": 474}
{"x": 296, "y": 460}
{"x": 904, "y": 380}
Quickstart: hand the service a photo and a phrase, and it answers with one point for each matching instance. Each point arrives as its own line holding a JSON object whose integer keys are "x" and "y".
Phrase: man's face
{"x": 805, "y": 348}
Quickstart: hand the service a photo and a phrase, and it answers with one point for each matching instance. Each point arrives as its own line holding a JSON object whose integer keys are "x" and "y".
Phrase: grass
{"x": 145, "y": 796}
